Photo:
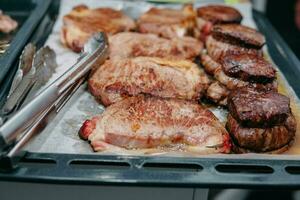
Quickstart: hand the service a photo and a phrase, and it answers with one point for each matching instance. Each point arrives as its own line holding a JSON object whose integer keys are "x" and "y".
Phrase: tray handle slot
{"x": 244, "y": 169}
{"x": 173, "y": 167}
{"x": 93, "y": 164}
{"x": 295, "y": 170}
{"x": 37, "y": 163}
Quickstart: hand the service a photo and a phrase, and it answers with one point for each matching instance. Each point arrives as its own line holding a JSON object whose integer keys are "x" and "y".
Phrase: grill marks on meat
{"x": 82, "y": 22}
{"x": 260, "y": 120}
{"x": 7, "y": 24}
{"x": 118, "y": 79}
{"x": 128, "y": 44}
{"x": 149, "y": 122}
{"x": 248, "y": 67}
{"x": 254, "y": 107}
{"x": 168, "y": 23}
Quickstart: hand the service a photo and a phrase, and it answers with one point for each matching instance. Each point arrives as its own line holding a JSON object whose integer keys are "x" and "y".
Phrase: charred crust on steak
{"x": 262, "y": 139}
{"x": 258, "y": 107}
{"x": 239, "y": 35}
{"x": 248, "y": 67}
{"x": 239, "y": 150}
{"x": 219, "y": 14}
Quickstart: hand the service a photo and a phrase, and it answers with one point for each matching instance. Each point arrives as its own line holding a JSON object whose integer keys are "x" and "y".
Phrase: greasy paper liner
{"x": 61, "y": 135}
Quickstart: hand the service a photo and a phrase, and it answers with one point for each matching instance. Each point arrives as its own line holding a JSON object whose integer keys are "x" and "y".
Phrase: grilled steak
{"x": 117, "y": 79}
{"x": 210, "y": 15}
{"x": 217, "y": 93}
{"x": 217, "y": 48}
{"x": 248, "y": 67}
{"x": 253, "y": 107}
{"x": 168, "y": 23}
{"x": 276, "y": 138}
{"x": 238, "y": 35}
{"x": 150, "y": 122}
{"x": 218, "y": 14}
{"x": 208, "y": 63}
{"x": 128, "y": 44}
{"x": 82, "y": 22}
{"x": 7, "y": 24}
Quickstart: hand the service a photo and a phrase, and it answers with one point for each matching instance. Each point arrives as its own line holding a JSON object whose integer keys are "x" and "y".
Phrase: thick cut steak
{"x": 255, "y": 107}
{"x": 239, "y": 34}
{"x": 276, "y": 138}
{"x": 150, "y": 122}
{"x": 82, "y": 22}
{"x": 129, "y": 44}
{"x": 217, "y": 14}
{"x": 248, "y": 67}
{"x": 118, "y": 79}
{"x": 168, "y": 23}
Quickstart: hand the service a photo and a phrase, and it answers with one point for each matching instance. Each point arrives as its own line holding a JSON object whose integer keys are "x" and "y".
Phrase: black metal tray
{"x": 29, "y": 14}
{"x": 216, "y": 171}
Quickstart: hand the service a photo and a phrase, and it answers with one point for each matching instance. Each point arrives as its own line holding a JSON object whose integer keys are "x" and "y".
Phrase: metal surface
{"x": 22, "y": 82}
{"x": 36, "y": 10}
{"x": 24, "y": 66}
{"x": 259, "y": 171}
{"x": 94, "y": 52}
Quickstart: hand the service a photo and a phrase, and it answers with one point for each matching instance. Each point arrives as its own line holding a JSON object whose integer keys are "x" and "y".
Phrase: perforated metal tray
{"x": 206, "y": 171}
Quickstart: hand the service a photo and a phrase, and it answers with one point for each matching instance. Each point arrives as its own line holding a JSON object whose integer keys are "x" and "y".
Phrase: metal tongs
{"x": 18, "y": 129}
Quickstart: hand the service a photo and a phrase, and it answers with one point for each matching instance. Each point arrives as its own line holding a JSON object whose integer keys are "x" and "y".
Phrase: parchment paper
{"x": 61, "y": 136}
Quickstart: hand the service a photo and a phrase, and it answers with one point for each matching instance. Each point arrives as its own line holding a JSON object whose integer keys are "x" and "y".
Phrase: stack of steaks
{"x": 260, "y": 120}
{"x": 234, "y": 58}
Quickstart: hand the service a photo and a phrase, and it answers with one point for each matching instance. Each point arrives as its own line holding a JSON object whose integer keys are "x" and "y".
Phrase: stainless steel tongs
{"x": 20, "y": 126}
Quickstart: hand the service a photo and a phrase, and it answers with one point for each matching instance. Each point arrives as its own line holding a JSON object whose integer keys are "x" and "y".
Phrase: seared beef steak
{"x": 217, "y": 48}
{"x": 248, "y": 67}
{"x": 260, "y": 120}
{"x": 129, "y": 44}
{"x": 208, "y": 16}
{"x": 218, "y": 14}
{"x": 262, "y": 139}
{"x": 255, "y": 107}
{"x": 118, "y": 79}
{"x": 238, "y": 35}
{"x": 151, "y": 122}
{"x": 82, "y": 22}
{"x": 168, "y": 23}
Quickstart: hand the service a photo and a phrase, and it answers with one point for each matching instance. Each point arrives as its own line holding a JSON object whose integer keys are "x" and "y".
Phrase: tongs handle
{"x": 95, "y": 52}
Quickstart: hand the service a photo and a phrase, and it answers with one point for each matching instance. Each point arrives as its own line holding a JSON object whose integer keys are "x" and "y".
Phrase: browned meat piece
{"x": 208, "y": 63}
{"x": 145, "y": 75}
{"x": 129, "y": 44}
{"x": 253, "y": 107}
{"x": 234, "y": 83}
{"x": 248, "y": 67}
{"x": 217, "y": 93}
{"x": 149, "y": 122}
{"x": 239, "y": 35}
{"x": 82, "y": 22}
{"x": 217, "y": 48}
{"x": 7, "y": 24}
{"x": 276, "y": 138}
{"x": 168, "y": 23}
{"x": 217, "y": 14}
